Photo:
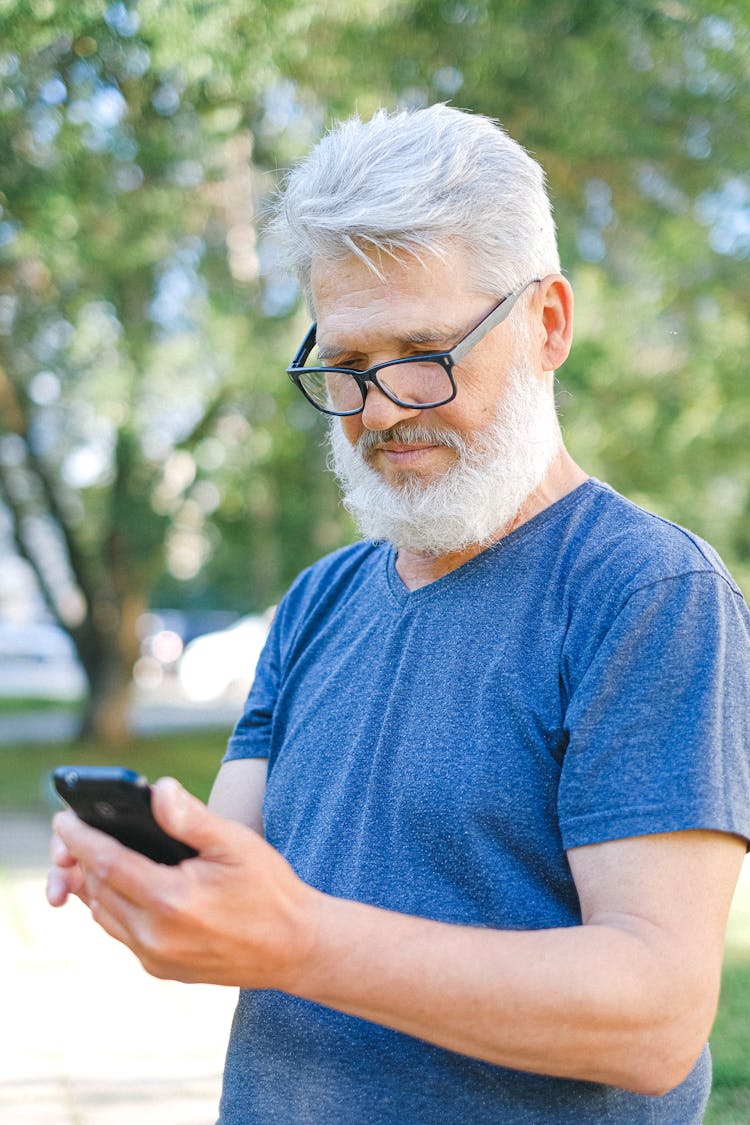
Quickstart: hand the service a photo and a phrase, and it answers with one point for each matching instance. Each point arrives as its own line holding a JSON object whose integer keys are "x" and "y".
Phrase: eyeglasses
{"x": 416, "y": 382}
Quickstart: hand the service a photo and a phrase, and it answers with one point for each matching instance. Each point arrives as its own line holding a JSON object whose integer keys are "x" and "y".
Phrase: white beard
{"x": 482, "y": 492}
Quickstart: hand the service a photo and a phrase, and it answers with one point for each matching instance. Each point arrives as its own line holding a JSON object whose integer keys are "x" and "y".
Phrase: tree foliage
{"x": 151, "y": 448}
{"x": 141, "y": 347}
{"x": 639, "y": 113}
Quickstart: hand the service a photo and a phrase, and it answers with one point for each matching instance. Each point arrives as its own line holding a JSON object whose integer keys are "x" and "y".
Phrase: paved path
{"x": 86, "y": 1037}
{"x": 147, "y": 718}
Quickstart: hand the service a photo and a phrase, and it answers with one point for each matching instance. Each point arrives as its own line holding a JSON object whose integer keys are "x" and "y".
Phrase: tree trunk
{"x": 108, "y": 653}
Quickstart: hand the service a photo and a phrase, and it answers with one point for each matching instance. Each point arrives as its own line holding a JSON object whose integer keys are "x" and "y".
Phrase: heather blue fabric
{"x": 437, "y": 751}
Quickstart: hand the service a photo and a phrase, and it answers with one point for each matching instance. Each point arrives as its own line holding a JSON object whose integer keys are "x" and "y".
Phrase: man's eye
{"x": 439, "y": 348}
{"x": 343, "y": 361}
{"x": 350, "y": 364}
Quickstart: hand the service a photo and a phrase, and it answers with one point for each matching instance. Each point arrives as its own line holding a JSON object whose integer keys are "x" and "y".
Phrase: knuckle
{"x": 168, "y": 909}
{"x": 155, "y": 966}
{"x": 105, "y": 866}
{"x": 97, "y": 910}
{"x": 162, "y": 945}
{"x": 148, "y": 941}
{"x": 169, "y": 906}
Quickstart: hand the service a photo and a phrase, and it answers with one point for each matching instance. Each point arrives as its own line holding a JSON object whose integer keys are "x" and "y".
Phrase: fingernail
{"x": 178, "y": 795}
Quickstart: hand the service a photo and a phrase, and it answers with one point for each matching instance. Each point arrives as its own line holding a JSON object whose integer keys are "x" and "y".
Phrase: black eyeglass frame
{"x": 447, "y": 360}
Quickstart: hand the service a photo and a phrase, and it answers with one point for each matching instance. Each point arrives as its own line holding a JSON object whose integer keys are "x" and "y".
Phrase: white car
{"x": 38, "y": 661}
{"x": 222, "y": 665}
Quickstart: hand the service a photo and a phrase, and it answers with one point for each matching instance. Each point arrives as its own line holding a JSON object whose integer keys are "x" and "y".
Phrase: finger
{"x": 189, "y": 820}
{"x": 58, "y": 853}
{"x": 58, "y": 889}
{"x": 104, "y": 860}
{"x": 71, "y": 835}
{"x": 114, "y": 914}
{"x": 139, "y": 926}
{"x": 63, "y": 882}
{"x": 124, "y": 923}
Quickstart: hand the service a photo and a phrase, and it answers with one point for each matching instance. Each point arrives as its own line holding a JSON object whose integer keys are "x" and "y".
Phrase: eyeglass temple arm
{"x": 497, "y": 316}
{"x": 305, "y": 348}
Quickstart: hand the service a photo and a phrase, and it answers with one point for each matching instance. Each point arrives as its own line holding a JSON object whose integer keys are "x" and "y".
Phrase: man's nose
{"x": 380, "y": 412}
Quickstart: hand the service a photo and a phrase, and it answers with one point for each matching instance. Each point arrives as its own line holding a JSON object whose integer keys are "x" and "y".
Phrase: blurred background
{"x": 161, "y": 482}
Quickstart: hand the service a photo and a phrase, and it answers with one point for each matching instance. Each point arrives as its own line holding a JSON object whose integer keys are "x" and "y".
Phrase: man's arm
{"x": 238, "y": 791}
{"x": 627, "y": 998}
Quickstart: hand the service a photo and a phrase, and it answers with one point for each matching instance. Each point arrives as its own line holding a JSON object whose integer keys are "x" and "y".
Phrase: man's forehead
{"x": 408, "y": 300}
{"x": 405, "y": 269}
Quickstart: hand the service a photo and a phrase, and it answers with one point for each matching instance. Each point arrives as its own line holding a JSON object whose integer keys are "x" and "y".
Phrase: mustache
{"x": 410, "y": 432}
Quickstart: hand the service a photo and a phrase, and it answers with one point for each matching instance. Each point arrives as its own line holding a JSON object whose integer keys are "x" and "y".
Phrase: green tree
{"x": 141, "y": 405}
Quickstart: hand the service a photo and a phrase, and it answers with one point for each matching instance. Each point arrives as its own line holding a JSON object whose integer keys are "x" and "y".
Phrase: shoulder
{"x": 614, "y": 568}
{"x": 612, "y": 542}
{"x": 339, "y": 568}
{"x": 329, "y": 582}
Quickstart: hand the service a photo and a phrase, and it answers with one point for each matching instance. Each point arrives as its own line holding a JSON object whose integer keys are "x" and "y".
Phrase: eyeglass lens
{"x": 417, "y": 383}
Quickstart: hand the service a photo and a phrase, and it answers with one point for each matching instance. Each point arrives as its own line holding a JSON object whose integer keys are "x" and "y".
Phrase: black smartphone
{"x": 118, "y": 801}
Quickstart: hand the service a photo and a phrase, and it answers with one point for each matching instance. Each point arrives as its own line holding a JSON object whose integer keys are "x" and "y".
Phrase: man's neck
{"x": 417, "y": 570}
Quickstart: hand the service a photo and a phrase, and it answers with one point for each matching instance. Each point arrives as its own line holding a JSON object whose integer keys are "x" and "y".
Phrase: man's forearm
{"x": 589, "y": 1002}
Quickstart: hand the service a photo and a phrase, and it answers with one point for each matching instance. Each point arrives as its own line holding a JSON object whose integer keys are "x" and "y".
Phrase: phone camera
{"x": 105, "y": 809}
{"x": 71, "y": 779}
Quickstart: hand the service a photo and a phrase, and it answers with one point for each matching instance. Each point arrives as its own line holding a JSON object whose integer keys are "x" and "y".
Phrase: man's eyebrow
{"x": 436, "y": 339}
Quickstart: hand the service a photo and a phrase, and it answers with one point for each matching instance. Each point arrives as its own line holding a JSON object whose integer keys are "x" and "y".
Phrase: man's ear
{"x": 556, "y": 299}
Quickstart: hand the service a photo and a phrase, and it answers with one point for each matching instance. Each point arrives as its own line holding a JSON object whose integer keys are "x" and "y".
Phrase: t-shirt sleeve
{"x": 659, "y": 723}
{"x": 251, "y": 737}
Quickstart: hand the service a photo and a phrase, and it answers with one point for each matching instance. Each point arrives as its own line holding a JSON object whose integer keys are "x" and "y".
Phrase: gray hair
{"x": 416, "y": 181}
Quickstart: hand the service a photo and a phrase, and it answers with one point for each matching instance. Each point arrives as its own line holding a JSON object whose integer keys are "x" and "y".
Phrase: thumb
{"x": 187, "y": 819}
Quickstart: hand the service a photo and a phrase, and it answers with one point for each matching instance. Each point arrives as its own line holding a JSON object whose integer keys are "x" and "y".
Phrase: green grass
{"x": 730, "y": 1098}
{"x": 192, "y": 757}
{"x": 10, "y": 705}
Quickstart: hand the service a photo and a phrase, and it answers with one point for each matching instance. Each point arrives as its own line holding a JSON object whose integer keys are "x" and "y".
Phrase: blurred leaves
{"x": 142, "y": 397}
{"x": 132, "y": 288}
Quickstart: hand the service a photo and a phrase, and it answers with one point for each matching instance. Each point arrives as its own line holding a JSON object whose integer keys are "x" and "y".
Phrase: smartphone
{"x": 118, "y": 801}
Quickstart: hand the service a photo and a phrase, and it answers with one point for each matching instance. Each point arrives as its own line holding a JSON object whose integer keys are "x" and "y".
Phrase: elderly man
{"x": 499, "y": 748}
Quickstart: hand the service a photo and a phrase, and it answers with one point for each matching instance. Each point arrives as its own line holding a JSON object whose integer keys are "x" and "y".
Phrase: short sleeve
{"x": 251, "y": 737}
{"x": 659, "y": 723}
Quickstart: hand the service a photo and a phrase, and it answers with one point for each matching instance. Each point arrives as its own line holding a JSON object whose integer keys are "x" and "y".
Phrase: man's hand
{"x": 233, "y": 915}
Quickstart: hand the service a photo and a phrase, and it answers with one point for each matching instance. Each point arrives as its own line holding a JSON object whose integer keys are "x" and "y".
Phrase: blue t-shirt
{"x": 435, "y": 752}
